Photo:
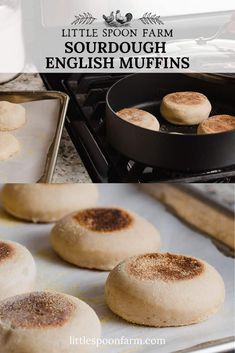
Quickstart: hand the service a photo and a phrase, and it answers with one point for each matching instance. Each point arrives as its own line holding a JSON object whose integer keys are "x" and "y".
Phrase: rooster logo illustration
{"x": 117, "y": 19}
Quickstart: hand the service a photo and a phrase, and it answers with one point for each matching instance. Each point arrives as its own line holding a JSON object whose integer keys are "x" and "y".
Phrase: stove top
{"x": 86, "y": 126}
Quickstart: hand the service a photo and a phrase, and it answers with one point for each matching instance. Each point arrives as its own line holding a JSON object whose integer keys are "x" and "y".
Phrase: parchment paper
{"x": 55, "y": 274}
{"x": 35, "y": 138}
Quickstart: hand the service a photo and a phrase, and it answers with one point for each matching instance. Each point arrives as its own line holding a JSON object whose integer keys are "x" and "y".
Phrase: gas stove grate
{"x": 86, "y": 126}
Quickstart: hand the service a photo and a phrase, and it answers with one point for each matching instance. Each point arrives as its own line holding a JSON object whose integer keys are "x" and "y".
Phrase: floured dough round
{"x": 164, "y": 290}
{"x": 140, "y": 118}
{"x": 47, "y": 203}
{"x": 47, "y": 322}
{"x": 100, "y": 238}
{"x": 185, "y": 108}
{"x": 17, "y": 269}
{"x": 9, "y": 146}
{"x": 12, "y": 116}
{"x": 216, "y": 124}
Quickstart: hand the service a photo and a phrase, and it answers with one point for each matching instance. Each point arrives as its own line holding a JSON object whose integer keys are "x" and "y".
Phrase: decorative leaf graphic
{"x": 84, "y": 19}
{"x": 149, "y": 19}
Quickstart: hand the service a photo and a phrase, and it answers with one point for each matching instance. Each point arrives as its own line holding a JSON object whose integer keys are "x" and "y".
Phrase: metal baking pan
{"x": 30, "y": 96}
{"x": 185, "y": 152}
{"x": 225, "y": 345}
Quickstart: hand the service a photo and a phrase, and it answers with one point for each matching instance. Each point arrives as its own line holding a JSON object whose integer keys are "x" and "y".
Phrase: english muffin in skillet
{"x": 217, "y": 124}
{"x": 140, "y": 118}
{"x": 185, "y": 108}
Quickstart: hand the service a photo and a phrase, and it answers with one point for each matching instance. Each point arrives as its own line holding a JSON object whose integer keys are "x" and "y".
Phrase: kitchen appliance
{"x": 86, "y": 124}
{"x": 11, "y": 40}
{"x": 184, "y": 151}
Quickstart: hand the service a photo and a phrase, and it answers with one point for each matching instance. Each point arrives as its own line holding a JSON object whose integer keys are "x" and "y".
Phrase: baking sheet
{"x": 54, "y": 274}
{"x": 35, "y": 138}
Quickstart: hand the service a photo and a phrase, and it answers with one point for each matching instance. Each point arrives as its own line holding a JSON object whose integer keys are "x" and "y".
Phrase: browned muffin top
{"x": 166, "y": 267}
{"x": 104, "y": 219}
{"x": 134, "y": 115}
{"x": 218, "y": 123}
{"x": 186, "y": 98}
{"x": 6, "y": 251}
{"x": 36, "y": 310}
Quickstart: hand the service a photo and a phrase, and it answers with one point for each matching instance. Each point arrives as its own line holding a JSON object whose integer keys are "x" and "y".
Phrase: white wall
{"x": 57, "y": 12}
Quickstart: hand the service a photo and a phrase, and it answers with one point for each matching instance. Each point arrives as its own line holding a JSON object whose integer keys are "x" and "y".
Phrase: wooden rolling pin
{"x": 208, "y": 207}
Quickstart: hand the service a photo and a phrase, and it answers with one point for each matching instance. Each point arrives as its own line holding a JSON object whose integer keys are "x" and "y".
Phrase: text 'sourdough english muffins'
{"x": 12, "y": 116}
{"x": 164, "y": 290}
{"x": 47, "y": 202}
{"x": 17, "y": 269}
{"x": 44, "y": 322}
{"x": 9, "y": 146}
{"x": 100, "y": 238}
{"x": 216, "y": 124}
{"x": 140, "y": 118}
{"x": 185, "y": 108}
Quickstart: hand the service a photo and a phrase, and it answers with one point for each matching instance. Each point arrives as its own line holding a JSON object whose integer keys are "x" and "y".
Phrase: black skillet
{"x": 163, "y": 149}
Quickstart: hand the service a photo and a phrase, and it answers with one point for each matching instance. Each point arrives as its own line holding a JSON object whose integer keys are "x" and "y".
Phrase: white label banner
{"x": 130, "y": 36}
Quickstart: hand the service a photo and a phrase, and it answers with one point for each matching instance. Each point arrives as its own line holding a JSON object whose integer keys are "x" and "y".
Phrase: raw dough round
{"x": 216, "y": 124}
{"x": 12, "y": 116}
{"x": 185, "y": 108}
{"x": 163, "y": 290}
{"x": 17, "y": 269}
{"x": 47, "y": 203}
{"x": 140, "y": 118}
{"x": 9, "y": 146}
{"x": 46, "y": 322}
{"x": 101, "y": 238}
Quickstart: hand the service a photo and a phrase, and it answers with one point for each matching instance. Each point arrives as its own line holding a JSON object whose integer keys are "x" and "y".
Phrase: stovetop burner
{"x": 86, "y": 127}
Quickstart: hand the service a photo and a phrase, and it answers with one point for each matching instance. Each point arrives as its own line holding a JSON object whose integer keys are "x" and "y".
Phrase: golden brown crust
{"x": 139, "y": 118}
{"x": 166, "y": 267}
{"x": 133, "y": 115}
{"x": 7, "y": 251}
{"x": 104, "y": 219}
{"x": 37, "y": 310}
{"x": 217, "y": 123}
{"x": 186, "y": 98}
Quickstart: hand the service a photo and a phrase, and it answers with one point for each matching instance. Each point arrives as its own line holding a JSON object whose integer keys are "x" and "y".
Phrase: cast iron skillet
{"x": 163, "y": 149}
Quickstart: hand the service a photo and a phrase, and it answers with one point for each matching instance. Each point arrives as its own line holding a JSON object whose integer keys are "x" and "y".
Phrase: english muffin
{"x": 9, "y": 146}
{"x": 163, "y": 290}
{"x": 185, "y": 108}
{"x": 216, "y": 124}
{"x": 17, "y": 269}
{"x": 47, "y": 203}
{"x": 140, "y": 118}
{"x": 47, "y": 322}
{"x": 12, "y": 116}
{"x": 99, "y": 238}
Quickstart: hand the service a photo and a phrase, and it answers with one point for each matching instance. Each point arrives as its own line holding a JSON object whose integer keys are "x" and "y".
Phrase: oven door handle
{"x": 83, "y": 139}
